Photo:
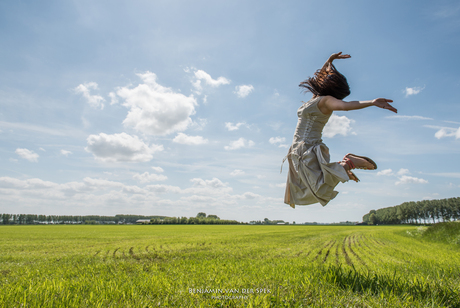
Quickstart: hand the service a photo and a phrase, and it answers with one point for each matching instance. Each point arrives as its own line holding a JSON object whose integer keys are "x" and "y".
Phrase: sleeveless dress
{"x": 311, "y": 177}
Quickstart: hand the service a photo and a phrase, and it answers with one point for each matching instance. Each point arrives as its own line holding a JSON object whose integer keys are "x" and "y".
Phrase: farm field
{"x": 225, "y": 266}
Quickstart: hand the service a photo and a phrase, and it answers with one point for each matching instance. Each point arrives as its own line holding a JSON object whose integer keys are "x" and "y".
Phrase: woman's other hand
{"x": 383, "y": 103}
{"x": 338, "y": 56}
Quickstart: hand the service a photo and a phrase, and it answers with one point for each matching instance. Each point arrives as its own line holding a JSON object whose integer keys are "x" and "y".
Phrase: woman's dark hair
{"x": 327, "y": 82}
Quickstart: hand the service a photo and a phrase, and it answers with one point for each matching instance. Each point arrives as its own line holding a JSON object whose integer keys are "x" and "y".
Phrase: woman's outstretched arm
{"x": 329, "y": 104}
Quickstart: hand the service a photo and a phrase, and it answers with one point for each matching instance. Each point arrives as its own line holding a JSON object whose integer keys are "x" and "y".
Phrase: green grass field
{"x": 225, "y": 266}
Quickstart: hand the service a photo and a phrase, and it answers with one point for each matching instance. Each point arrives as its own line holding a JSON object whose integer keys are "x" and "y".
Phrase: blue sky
{"x": 179, "y": 107}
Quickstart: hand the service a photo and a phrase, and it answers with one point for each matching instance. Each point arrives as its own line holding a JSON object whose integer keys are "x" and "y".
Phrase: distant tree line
{"x": 200, "y": 219}
{"x": 426, "y": 211}
{"x": 267, "y": 221}
{"x": 30, "y": 219}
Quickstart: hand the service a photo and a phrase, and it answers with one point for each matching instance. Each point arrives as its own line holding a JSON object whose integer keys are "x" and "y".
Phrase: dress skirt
{"x": 312, "y": 178}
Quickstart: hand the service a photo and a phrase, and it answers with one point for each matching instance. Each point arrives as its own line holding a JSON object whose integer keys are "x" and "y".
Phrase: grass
{"x": 225, "y": 266}
{"x": 446, "y": 232}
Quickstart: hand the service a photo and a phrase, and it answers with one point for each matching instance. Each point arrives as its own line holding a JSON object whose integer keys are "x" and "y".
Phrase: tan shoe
{"x": 358, "y": 162}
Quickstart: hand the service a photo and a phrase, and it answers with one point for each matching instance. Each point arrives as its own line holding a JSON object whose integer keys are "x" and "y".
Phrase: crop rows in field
{"x": 156, "y": 266}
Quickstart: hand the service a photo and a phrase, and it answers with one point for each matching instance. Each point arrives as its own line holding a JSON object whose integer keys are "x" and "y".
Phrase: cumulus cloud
{"x": 405, "y": 179}
{"x": 243, "y": 90}
{"x": 98, "y": 192}
{"x": 202, "y": 75}
{"x": 120, "y": 147}
{"x": 278, "y": 140}
{"x": 27, "y": 154}
{"x": 275, "y": 140}
{"x": 158, "y": 169}
{"x": 189, "y": 140}
{"x": 65, "y": 152}
{"x": 413, "y": 91}
{"x": 238, "y": 144}
{"x": 338, "y": 125}
{"x": 95, "y": 101}
{"x": 231, "y": 127}
{"x": 154, "y": 109}
{"x": 402, "y": 176}
{"x": 149, "y": 177}
{"x": 385, "y": 172}
{"x": 237, "y": 172}
{"x": 403, "y": 171}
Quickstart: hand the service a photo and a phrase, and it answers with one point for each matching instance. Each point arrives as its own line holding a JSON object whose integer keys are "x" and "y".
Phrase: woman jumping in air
{"x": 312, "y": 178}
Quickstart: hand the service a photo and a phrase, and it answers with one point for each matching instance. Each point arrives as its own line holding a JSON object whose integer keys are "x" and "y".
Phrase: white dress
{"x": 311, "y": 177}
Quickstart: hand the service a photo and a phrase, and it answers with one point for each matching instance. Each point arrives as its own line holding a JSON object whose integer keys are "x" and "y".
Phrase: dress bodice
{"x": 311, "y": 123}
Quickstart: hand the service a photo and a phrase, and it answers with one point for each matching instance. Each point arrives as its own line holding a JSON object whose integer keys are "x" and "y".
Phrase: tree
{"x": 6, "y": 218}
{"x": 372, "y": 219}
{"x": 201, "y": 215}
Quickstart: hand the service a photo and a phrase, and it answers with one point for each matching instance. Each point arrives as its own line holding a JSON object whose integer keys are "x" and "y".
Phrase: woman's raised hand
{"x": 383, "y": 103}
{"x": 338, "y": 56}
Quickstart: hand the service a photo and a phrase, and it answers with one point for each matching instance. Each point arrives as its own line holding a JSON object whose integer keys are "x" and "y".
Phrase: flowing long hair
{"x": 327, "y": 82}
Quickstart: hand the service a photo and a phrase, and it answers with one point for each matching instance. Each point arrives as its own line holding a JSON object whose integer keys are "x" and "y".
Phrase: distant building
{"x": 142, "y": 221}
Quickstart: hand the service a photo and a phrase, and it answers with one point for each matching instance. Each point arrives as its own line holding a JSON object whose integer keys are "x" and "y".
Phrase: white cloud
{"x": 96, "y": 193}
{"x": 403, "y": 178}
{"x": 410, "y": 179}
{"x": 65, "y": 152}
{"x": 275, "y": 140}
{"x": 448, "y": 132}
{"x": 406, "y": 117}
{"x": 338, "y": 125}
{"x": 231, "y": 127}
{"x": 27, "y": 154}
{"x": 120, "y": 147}
{"x": 243, "y": 90}
{"x": 280, "y": 140}
{"x": 113, "y": 98}
{"x": 190, "y": 140}
{"x": 237, "y": 172}
{"x": 202, "y": 75}
{"x": 42, "y": 149}
{"x": 403, "y": 171}
{"x": 413, "y": 91}
{"x": 156, "y": 110}
{"x": 247, "y": 196}
{"x": 158, "y": 169}
{"x": 207, "y": 187}
{"x": 149, "y": 177}
{"x": 240, "y": 143}
{"x": 163, "y": 189}
{"x": 95, "y": 101}
{"x": 385, "y": 172}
